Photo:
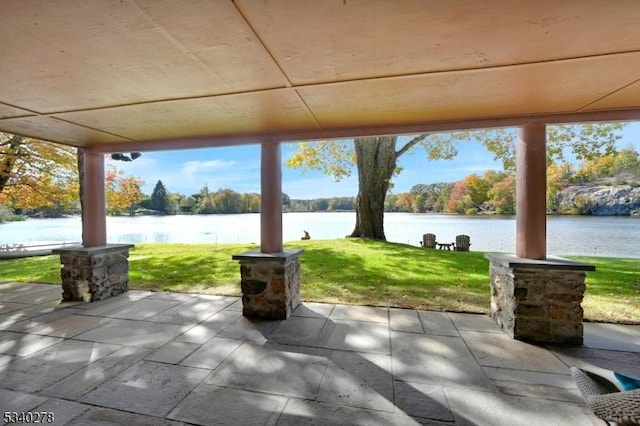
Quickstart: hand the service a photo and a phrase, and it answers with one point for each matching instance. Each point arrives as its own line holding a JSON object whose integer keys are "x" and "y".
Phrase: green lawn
{"x": 357, "y": 272}
{"x": 613, "y": 291}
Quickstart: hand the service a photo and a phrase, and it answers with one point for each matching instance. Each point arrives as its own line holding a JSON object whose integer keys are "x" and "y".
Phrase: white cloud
{"x": 195, "y": 167}
{"x": 239, "y": 176}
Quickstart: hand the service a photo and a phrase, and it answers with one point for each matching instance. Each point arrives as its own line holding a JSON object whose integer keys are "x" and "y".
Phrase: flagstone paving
{"x": 187, "y": 359}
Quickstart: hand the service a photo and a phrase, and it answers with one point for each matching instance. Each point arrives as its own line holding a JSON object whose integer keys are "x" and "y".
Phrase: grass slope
{"x": 356, "y": 272}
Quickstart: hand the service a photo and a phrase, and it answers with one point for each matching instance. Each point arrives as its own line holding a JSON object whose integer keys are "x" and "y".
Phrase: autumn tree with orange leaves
{"x": 36, "y": 173}
{"x": 122, "y": 193}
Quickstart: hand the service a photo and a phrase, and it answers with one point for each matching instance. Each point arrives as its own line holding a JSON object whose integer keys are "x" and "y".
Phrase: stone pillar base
{"x": 90, "y": 274}
{"x": 270, "y": 283}
{"x": 538, "y": 300}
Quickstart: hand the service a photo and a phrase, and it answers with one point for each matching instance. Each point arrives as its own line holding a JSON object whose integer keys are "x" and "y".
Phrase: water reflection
{"x": 600, "y": 236}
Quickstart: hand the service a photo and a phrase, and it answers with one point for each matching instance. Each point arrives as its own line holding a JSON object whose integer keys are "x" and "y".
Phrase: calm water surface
{"x": 599, "y": 236}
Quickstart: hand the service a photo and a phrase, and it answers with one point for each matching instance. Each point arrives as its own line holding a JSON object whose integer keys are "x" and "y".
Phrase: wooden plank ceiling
{"x": 163, "y": 73}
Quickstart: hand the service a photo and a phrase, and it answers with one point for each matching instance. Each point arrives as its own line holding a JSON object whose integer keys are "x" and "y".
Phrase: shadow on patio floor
{"x": 175, "y": 358}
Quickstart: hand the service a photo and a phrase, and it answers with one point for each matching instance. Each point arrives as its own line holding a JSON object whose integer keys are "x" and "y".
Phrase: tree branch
{"x": 413, "y": 142}
{"x": 8, "y": 162}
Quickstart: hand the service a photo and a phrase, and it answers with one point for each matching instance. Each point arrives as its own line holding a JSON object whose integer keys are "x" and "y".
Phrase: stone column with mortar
{"x": 270, "y": 283}
{"x": 538, "y": 300}
{"x": 90, "y": 274}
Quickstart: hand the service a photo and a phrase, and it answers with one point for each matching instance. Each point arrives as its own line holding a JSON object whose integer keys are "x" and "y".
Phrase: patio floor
{"x": 174, "y": 358}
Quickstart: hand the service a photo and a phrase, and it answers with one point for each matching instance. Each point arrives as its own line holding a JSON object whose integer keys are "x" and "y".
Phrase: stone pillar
{"x": 271, "y": 198}
{"x": 538, "y": 301}
{"x": 90, "y": 274}
{"x": 531, "y": 192}
{"x": 270, "y": 283}
{"x": 94, "y": 216}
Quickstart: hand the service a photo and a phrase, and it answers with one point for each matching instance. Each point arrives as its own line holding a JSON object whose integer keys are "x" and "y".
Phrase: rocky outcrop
{"x": 598, "y": 200}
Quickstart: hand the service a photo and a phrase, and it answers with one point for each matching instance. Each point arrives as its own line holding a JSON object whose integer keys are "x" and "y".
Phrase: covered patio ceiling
{"x": 151, "y": 74}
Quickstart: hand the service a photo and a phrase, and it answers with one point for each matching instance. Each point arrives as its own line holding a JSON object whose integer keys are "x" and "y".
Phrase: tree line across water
{"x": 495, "y": 192}
{"x": 491, "y": 192}
{"x": 41, "y": 178}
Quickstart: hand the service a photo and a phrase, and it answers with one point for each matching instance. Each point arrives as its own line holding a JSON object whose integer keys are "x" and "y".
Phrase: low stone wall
{"x": 270, "y": 283}
{"x": 94, "y": 273}
{"x": 538, "y": 301}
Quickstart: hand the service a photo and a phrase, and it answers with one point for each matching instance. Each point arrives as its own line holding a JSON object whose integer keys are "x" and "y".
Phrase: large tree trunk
{"x": 376, "y": 162}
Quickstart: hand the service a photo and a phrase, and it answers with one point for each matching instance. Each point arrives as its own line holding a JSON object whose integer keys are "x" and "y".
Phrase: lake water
{"x": 583, "y": 235}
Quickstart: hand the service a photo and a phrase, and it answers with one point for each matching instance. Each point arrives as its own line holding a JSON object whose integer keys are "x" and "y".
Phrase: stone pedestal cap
{"x": 551, "y": 262}
{"x": 82, "y": 250}
{"x": 257, "y": 255}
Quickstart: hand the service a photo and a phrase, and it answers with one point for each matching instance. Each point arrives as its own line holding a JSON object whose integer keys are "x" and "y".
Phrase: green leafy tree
{"x": 160, "y": 198}
{"x": 624, "y": 164}
{"x": 627, "y": 162}
{"x": 404, "y": 202}
{"x": 252, "y": 202}
{"x": 559, "y": 176}
{"x": 206, "y": 206}
{"x": 585, "y": 141}
{"x": 228, "y": 201}
{"x": 376, "y": 159}
{"x": 7, "y": 214}
{"x": 477, "y": 188}
{"x": 205, "y": 202}
{"x": 432, "y": 200}
{"x": 443, "y": 198}
{"x": 493, "y": 176}
{"x": 596, "y": 169}
{"x": 196, "y": 197}
{"x": 502, "y": 195}
{"x": 390, "y": 202}
{"x": 418, "y": 203}
{"x": 321, "y": 204}
{"x": 145, "y": 202}
{"x": 187, "y": 204}
{"x": 341, "y": 204}
{"x": 173, "y": 204}
{"x": 419, "y": 189}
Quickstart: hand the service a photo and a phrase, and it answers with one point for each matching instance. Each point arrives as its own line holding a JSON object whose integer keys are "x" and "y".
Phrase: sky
{"x": 238, "y": 168}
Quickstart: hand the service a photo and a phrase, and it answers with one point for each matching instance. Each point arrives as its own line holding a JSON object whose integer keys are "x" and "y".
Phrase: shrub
{"x": 7, "y": 214}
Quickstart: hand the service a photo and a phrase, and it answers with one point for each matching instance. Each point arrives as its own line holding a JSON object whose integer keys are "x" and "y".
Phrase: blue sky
{"x": 238, "y": 168}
